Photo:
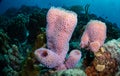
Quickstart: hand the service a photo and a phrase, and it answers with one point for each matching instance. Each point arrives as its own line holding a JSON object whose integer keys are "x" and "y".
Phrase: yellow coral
{"x": 100, "y": 67}
{"x": 29, "y": 66}
{"x": 40, "y": 40}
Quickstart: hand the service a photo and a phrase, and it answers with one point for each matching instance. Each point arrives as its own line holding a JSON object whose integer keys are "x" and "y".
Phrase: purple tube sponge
{"x": 61, "y": 67}
{"x": 94, "y": 35}
{"x": 73, "y": 59}
{"x": 60, "y": 26}
{"x": 48, "y": 57}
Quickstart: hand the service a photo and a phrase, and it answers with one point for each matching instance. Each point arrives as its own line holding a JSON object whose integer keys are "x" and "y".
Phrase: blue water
{"x": 103, "y": 8}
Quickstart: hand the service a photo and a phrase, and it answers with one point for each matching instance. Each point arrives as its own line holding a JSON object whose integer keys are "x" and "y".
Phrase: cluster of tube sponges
{"x": 60, "y": 26}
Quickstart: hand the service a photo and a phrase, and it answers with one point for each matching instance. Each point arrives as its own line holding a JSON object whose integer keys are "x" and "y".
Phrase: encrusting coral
{"x": 40, "y": 40}
{"x": 10, "y": 56}
{"x": 61, "y": 24}
{"x": 4, "y": 44}
{"x": 103, "y": 64}
{"x": 17, "y": 25}
{"x": 13, "y": 59}
{"x": 69, "y": 72}
{"x": 113, "y": 47}
{"x": 30, "y": 67}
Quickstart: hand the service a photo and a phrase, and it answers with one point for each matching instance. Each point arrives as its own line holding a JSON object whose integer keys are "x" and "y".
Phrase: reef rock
{"x": 113, "y": 47}
{"x": 70, "y": 72}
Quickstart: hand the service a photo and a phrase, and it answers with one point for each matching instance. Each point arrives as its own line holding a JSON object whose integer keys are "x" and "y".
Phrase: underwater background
{"x": 108, "y": 8}
{"x": 25, "y": 38}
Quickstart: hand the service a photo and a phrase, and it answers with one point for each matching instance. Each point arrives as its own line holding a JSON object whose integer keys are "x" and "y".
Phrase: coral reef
{"x": 113, "y": 47}
{"x": 94, "y": 35}
{"x": 61, "y": 24}
{"x": 26, "y": 30}
{"x": 17, "y": 28}
{"x": 70, "y": 72}
{"x": 106, "y": 60}
{"x": 4, "y": 44}
{"x": 29, "y": 66}
{"x": 118, "y": 74}
{"x": 3, "y": 21}
{"x": 40, "y": 40}
{"x": 37, "y": 20}
{"x": 27, "y": 10}
{"x": 11, "y": 12}
{"x": 12, "y": 59}
{"x": 102, "y": 65}
{"x": 113, "y": 31}
{"x": 10, "y": 56}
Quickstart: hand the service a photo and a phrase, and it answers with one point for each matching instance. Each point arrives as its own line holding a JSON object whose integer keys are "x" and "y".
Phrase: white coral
{"x": 113, "y": 47}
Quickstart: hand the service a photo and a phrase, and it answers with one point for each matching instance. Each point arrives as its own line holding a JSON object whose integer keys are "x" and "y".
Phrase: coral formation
{"x": 28, "y": 24}
{"x": 94, "y": 35}
{"x": 18, "y": 26}
{"x": 102, "y": 65}
{"x": 112, "y": 31}
{"x": 40, "y": 40}
{"x": 70, "y": 72}
{"x": 37, "y": 20}
{"x": 113, "y": 47}
{"x": 12, "y": 60}
{"x": 4, "y": 44}
{"x": 10, "y": 57}
{"x": 61, "y": 24}
{"x": 29, "y": 66}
